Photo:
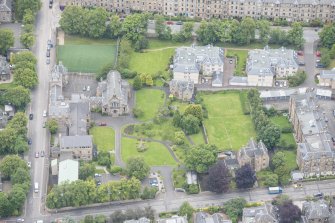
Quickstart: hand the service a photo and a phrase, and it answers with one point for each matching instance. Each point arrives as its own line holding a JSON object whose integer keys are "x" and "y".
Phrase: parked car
{"x": 37, "y": 155}
{"x": 102, "y": 124}
{"x": 301, "y": 63}
{"x": 30, "y": 141}
{"x": 179, "y": 23}
{"x": 169, "y": 23}
{"x": 318, "y": 195}
{"x": 48, "y": 53}
{"x": 300, "y": 53}
{"x": 97, "y": 175}
{"x": 42, "y": 153}
{"x": 31, "y": 116}
{"x": 320, "y": 65}
{"x": 20, "y": 220}
{"x": 29, "y": 164}
{"x": 44, "y": 113}
{"x": 318, "y": 53}
{"x": 50, "y": 43}
{"x": 48, "y": 60}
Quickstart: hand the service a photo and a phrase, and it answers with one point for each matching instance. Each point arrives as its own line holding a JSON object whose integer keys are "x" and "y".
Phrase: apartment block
{"x": 291, "y": 10}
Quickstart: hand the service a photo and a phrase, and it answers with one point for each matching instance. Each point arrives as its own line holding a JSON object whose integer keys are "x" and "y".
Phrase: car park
{"x": 31, "y": 116}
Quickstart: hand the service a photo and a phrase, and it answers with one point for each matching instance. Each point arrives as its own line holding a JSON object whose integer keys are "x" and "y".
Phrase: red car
{"x": 102, "y": 123}
{"x": 318, "y": 53}
{"x": 169, "y": 23}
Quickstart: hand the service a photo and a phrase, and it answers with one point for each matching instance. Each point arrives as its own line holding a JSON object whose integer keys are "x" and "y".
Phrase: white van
{"x": 36, "y": 188}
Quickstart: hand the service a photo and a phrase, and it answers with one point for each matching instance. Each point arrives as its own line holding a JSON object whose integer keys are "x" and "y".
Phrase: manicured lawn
{"x": 241, "y": 56}
{"x": 77, "y": 40}
{"x": 6, "y": 86}
{"x": 156, "y": 154}
{"x": 281, "y": 121}
{"x": 149, "y": 101}
{"x": 86, "y": 58}
{"x": 104, "y": 138}
{"x": 156, "y": 43}
{"x": 198, "y": 138}
{"x": 181, "y": 106}
{"x": 290, "y": 159}
{"x": 227, "y": 126}
{"x": 151, "y": 62}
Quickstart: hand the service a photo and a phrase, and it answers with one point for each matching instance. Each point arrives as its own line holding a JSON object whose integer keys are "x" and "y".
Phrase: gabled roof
{"x": 76, "y": 141}
{"x": 316, "y": 210}
{"x": 5, "y": 5}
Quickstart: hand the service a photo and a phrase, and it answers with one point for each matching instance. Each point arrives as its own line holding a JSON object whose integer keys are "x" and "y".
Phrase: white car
{"x": 44, "y": 113}
{"x": 29, "y": 164}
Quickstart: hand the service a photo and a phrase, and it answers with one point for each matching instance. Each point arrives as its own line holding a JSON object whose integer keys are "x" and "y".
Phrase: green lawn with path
{"x": 227, "y": 126}
{"x": 156, "y": 154}
{"x": 285, "y": 138}
{"x": 104, "y": 138}
{"x": 149, "y": 101}
{"x": 241, "y": 56}
{"x": 86, "y": 55}
{"x": 198, "y": 138}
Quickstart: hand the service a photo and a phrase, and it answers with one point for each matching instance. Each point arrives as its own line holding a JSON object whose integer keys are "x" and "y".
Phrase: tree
{"x": 137, "y": 84}
{"x": 162, "y": 30}
{"x": 28, "y": 17}
{"x": 114, "y": 27}
{"x": 52, "y": 125}
{"x": 190, "y": 124}
{"x": 16, "y": 197}
{"x": 195, "y": 110}
{"x": 246, "y": 31}
{"x": 234, "y": 208}
{"x": 17, "y": 96}
{"x": 7, "y": 139}
{"x": 149, "y": 81}
{"x": 6, "y": 40}
{"x": 100, "y": 219}
{"x": 20, "y": 176}
{"x": 177, "y": 119}
{"x": 179, "y": 137}
{"x": 136, "y": 167}
{"x": 245, "y": 177}
{"x": 295, "y": 35}
{"x": 327, "y": 35}
{"x": 19, "y": 124}
{"x": 185, "y": 33}
{"x": 22, "y": 6}
{"x": 270, "y": 135}
{"x": 95, "y": 22}
{"x": 27, "y": 39}
{"x": 219, "y": 178}
{"x": 278, "y": 36}
{"x": 89, "y": 219}
{"x": 297, "y": 79}
{"x": 86, "y": 170}
{"x": 279, "y": 166}
{"x": 271, "y": 180}
{"x": 25, "y": 56}
{"x": 264, "y": 30}
{"x": 20, "y": 144}
{"x": 332, "y": 52}
{"x": 208, "y": 32}
{"x": 186, "y": 210}
{"x": 134, "y": 26}
{"x": 201, "y": 157}
{"x": 10, "y": 164}
{"x": 325, "y": 57}
{"x": 25, "y": 77}
{"x": 288, "y": 212}
{"x": 72, "y": 20}
{"x": 5, "y": 206}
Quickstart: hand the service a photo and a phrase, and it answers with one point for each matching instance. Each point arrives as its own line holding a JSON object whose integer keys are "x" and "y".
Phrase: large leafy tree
{"x": 6, "y": 40}
{"x": 280, "y": 168}
{"x": 25, "y": 77}
{"x": 195, "y": 110}
{"x": 17, "y": 96}
{"x": 114, "y": 27}
{"x": 7, "y": 139}
{"x": 52, "y": 125}
{"x": 95, "y": 22}
{"x": 246, "y": 31}
{"x": 19, "y": 124}
{"x": 289, "y": 213}
{"x": 25, "y": 56}
{"x": 207, "y": 32}
{"x": 27, "y": 39}
{"x": 137, "y": 167}
{"x": 234, "y": 208}
{"x": 22, "y": 5}
{"x": 264, "y": 30}
{"x": 327, "y": 35}
{"x": 20, "y": 176}
{"x": 190, "y": 124}
{"x": 86, "y": 170}
{"x": 163, "y": 31}
{"x": 16, "y": 197}
{"x": 270, "y": 135}
{"x": 219, "y": 177}
{"x": 134, "y": 26}
{"x": 72, "y": 20}
{"x": 10, "y": 164}
{"x": 295, "y": 35}
{"x": 5, "y": 206}
{"x": 186, "y": 210}
{"x": 245, "y": 177}
{"x": 200, "y": 158}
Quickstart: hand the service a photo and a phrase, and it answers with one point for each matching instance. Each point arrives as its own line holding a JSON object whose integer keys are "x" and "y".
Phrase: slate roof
{"x": 5, "y": 5}
{"x": 203, "y": 217}
{"x": 173, "y": 219}
{"x": 328, "y": 74}
{"x": 261, "y": 214}
{"x": 217, "y": 78}
{"x": 263, "y": 62}
{"x": 277, "y": 93}
{"x": 140, "y": 220}
{"x": 295, "y": 2}
{"x": 79, "y": 113}
{"x": 189, "y": 59}
{"x": 254, "y": 149}
{"x": 182, "y": 85}
{"x": 316, "y": 210}
{"x": 76, "y": 141}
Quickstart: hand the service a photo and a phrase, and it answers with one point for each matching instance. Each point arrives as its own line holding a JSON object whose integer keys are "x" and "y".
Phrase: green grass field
{"x": 149, "y": 101}
{"x": 156, "y": 154}
{"x": 156, "y": 43}
{"x": 241, "y": 56}
{"x": 198, "y": 138}
{"x": 227, "y": 126}
{"x": 104, "y": 138}
{"x": 86, "y": 55}
{"x": 285, "y": 138}
{"x": 281, "y": 121}
{"x": 151, "y": 62}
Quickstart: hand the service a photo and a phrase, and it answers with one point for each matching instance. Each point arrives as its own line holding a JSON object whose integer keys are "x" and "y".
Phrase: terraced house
{"x": 291, "y": 10}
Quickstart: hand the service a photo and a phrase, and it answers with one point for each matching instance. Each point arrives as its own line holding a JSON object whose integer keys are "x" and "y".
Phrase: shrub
{"x": 149, "y": 193}
{"x": 137, "y": 112}
{"x": 287, "y": 130}
{"x": 115, "y": 169}
{"x": 141, "y": 146}
{"x": 193, "y": 189}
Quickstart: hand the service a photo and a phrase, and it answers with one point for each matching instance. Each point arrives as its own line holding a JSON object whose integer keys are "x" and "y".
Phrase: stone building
{"x": 315, "y": 152}
{"x": 190, "y": 62}
{"x": 263, "y": 66}
{"x": 81, "y": 147}
{"x": 182, "y": 90}
{"x": 327, "y": 78}
{"x": 261, "y": 214}
{"x": 255, "y": 154}
{"x": 295, "y": 10}
{"x": 5, "y": 11}
{"x": 114, "y": 94}
{"x": 316, "y": 212}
